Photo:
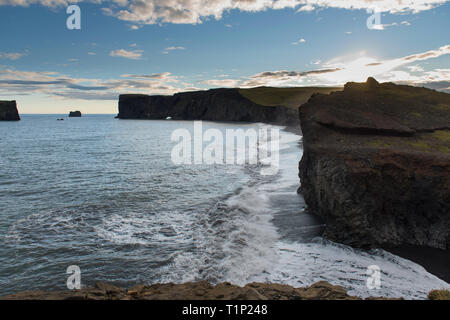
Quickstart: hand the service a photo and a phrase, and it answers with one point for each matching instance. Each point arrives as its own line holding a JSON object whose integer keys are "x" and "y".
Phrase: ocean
{"x": 104, "y": 194}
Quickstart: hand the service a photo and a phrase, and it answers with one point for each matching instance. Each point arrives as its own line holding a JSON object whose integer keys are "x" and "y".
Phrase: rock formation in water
{"x": 376, "y": 164}
{"x": 194, "y": 291}
{"x": 213, "y": 105}
{"x": 75, "y": 114}
{"x": 8, "y": 111}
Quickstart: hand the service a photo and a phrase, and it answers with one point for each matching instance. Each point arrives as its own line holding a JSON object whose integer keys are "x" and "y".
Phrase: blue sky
{"x": 162, "y": 47}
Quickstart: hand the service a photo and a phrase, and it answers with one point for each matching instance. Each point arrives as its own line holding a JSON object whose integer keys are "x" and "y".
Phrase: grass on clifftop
{"x": 288, "y": 97}
{"x": 437, "y": 141}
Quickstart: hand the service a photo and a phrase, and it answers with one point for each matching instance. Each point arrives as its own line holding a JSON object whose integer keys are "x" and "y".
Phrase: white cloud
{"x": 166, "y": 76}
{"x": 11, "y": 55}
{"x": 173, "y": 48}
{"x": 307, "y": 8}
{"x": 193, "y": 12}
{"x": 384, "y": 26}
{"x": 228, "y": 83}
{"x": 16, "y": 82}
{"x": 357, "y": 67}
{"x": 299, "y": 41}
{"x": 415, "y": 68}
{"x": 133, "y": 55}
{"x": 334, "y": 72}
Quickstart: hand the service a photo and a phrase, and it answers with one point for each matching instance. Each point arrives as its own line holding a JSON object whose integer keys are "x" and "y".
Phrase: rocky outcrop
{"x": 439, "y": 295}
{"x": 213, "y": 105}
{"x": 376, "y": 164}
{"x": 8, "y": 111}
{"x": 193, "y": 291}
{"x": 75, "y": 114}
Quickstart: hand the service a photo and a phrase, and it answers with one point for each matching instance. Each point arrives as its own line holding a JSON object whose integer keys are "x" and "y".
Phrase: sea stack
{"x": 75, "y": 114}
{"x": 376, "y": 164}
{"x": 8, "y": 111}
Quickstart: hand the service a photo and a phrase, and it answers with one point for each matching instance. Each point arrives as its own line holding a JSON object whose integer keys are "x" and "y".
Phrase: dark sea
{"x": 104, "y": 194}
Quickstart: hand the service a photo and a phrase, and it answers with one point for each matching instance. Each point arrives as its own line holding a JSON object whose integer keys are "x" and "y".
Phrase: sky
{"x": 169, "y": 46}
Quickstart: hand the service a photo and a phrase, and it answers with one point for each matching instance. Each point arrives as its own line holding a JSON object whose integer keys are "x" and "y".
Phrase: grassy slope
{"x": 289, "y": 97}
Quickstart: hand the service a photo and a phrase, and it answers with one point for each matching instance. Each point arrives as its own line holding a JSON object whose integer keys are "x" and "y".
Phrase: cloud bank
{"x": 335, "y": 72}
{"x": 196, "y": 11}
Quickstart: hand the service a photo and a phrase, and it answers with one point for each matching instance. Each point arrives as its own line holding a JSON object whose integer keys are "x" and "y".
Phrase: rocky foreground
{"x": 8, "y": 111}
{"x": 193, "y": 291}
{"x": 376, "y": 164}
{"x": 204, "y": 291}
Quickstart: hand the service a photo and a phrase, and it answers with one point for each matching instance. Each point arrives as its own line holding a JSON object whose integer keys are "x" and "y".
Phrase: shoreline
{"x": 203, "y": 290}
{"x": 433, "y": 260}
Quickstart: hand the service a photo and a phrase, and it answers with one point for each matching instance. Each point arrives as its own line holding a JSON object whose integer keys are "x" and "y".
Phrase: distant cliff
{"x": 213, "y": 105}
{"x": 376, "y": 164}
{"x": 8, "y": 111}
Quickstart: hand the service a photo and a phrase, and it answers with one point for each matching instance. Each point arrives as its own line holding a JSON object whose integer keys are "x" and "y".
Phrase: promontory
{"x": 376, "y": 164}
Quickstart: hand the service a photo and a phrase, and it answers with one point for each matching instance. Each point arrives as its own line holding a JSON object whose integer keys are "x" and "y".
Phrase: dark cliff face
{"x": 213, "y": 105}
{"x": 8, "y": 111}
{"x": 376, "y": 164}
{"x": 75, "y": 114}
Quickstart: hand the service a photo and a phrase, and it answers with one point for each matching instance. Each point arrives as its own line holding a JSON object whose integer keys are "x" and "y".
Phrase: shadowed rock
{"x": 376, "y": 164}
{"x": 75, "y": 114}
{"x": 8, "y": 111}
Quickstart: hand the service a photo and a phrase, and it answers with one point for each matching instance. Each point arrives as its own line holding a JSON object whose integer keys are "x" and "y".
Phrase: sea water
{"x": 103, "y": 194}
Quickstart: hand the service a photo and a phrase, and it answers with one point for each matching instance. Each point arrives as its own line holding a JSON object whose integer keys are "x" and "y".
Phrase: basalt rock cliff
{"x": 376, "y": 164}
{"x": 8, "y": 111}
{"x": 212, "y": 105}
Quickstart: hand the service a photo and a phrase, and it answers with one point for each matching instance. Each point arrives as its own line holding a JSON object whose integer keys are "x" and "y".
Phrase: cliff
{"x": 194, "y": 291}
{"x": 376, "y": 164}
{"x": 8, "y": 111}
{"x": 213, "y": 105}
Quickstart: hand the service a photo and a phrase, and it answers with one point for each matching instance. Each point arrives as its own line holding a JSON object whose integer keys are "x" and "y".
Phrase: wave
{"x": 197, "y": 223}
